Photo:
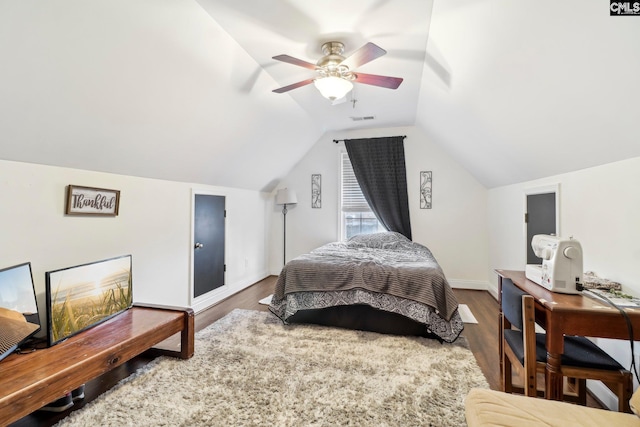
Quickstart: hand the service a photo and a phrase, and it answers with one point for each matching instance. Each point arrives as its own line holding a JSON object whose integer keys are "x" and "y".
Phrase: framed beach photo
{"x": 82, "y": 296}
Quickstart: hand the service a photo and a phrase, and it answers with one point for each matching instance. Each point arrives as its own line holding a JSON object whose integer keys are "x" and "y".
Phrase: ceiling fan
{"x": 335, "y": 73}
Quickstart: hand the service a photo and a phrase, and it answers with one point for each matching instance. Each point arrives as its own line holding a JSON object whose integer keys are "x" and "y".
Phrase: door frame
{"x": 204, "y": 301}
{"x": 550, "y": 188}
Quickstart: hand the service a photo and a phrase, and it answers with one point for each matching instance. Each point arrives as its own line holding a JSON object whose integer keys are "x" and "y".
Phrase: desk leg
{"x": 553, "y": 377}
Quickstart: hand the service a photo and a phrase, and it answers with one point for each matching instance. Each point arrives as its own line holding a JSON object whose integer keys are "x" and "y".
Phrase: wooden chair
{"x": 524, "y": 350}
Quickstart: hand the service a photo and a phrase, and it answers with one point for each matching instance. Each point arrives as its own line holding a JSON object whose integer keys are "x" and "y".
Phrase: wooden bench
{"x": 30, "y": 381}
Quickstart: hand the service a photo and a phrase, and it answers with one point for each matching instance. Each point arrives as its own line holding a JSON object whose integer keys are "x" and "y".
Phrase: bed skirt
{"x": 365, "y": 310}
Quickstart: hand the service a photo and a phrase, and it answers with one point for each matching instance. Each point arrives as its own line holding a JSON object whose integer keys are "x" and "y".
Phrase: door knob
{"x": 199, "y": 245}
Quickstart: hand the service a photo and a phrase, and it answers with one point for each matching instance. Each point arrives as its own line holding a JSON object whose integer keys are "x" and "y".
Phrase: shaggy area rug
{"x": 250, "y": 369}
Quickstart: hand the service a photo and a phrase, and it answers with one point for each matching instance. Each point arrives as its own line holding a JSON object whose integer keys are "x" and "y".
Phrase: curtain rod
{"x": 342, "y": 140}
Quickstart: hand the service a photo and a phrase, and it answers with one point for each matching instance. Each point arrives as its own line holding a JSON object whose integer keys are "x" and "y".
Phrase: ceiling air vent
{"x": 359, "y": 119}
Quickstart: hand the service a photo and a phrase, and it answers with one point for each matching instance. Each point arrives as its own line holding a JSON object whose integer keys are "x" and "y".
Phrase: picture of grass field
{"x": 81, "y": 297}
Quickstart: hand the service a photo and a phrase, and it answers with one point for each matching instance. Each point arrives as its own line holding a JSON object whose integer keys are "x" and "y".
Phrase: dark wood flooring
{"x": 482, "y": 338}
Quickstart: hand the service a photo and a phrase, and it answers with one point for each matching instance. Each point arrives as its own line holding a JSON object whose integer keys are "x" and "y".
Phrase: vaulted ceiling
{"x": 182, "y": 89}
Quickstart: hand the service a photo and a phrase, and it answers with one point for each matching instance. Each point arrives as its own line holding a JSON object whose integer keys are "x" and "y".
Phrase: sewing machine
{"x": 561, "y": 268}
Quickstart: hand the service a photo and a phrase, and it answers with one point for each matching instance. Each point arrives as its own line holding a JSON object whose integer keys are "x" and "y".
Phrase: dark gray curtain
{"x": 378, "y": 164}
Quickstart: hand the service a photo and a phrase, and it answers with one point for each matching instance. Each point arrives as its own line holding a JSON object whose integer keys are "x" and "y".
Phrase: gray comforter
{"x": 384, "y": 270}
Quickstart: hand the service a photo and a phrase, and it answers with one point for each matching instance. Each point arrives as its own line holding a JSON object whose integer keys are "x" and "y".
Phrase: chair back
{"x": 512, "y": 303}
{"x": 518, "y": 309}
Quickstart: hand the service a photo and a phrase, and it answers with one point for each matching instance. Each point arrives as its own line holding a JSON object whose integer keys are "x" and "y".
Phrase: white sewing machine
{"x": 561, "y": 268}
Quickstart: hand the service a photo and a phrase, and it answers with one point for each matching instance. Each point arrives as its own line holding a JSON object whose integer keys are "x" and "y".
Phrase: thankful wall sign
{"x": 92, "y": 201}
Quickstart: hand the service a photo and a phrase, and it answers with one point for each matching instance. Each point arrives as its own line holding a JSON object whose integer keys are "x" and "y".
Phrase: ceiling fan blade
{"x": 366, "y": 53}
{"x": 293, "y": 86}
{"x": 295, "y": 61}
{"x": 382, "y": 81}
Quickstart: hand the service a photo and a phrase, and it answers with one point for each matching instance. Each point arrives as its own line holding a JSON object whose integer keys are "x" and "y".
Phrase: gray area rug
{"x": 250, "y": 369}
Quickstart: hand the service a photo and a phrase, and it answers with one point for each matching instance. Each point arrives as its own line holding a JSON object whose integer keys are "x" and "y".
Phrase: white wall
{"x": 154, "y": 225}
{"x": 454, "y": 229}
{"x": 598, "y": 206}
{"x": 152, "y": 88}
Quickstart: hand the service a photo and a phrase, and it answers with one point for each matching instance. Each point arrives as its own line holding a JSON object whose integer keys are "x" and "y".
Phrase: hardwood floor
{"x": 482, "y": 338}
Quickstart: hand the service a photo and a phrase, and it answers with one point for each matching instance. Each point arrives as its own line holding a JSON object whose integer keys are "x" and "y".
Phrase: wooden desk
{"x": 563, "y": 314}
{"x": 30, "y": 381}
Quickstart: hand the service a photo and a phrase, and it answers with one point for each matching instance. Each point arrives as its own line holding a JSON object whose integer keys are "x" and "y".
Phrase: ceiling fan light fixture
{"x": 332, "y": 87}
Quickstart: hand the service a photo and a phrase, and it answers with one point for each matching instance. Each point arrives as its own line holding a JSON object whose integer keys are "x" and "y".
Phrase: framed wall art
{"x": 82, "y": 296}
{"x": 426, "y": 181}
{"x": 92, "y": 201}
{"x": 316, "y": 191}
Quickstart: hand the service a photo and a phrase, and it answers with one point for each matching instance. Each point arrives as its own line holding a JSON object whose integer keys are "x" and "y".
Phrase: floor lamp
{"x": 285, "y": 197}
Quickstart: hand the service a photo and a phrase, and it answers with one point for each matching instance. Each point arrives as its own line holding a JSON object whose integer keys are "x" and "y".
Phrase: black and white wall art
{"x": 316, "y": 191}
{"x": 426, "y": 181}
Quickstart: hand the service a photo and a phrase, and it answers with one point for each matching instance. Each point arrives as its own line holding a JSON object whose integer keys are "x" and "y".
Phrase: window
{"x": 356, "y": 216}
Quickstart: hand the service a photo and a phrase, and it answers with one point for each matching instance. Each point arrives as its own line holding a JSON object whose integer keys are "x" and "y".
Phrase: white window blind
{"x": 352, "y": 198}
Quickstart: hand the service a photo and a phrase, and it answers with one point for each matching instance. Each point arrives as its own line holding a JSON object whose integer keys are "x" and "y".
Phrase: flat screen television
{"x": 83, "y": 296}
{"x": 19, "y": 319}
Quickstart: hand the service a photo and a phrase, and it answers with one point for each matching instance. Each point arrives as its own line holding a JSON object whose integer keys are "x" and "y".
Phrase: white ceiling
{"x": 538, "y": 87}
{"x": 299, "y": 28}
{"x": 181, "y": 89}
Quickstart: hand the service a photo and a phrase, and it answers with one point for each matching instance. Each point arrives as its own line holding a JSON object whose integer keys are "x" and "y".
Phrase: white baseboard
{"x": 276, "y": 271}
{"x": 478, "y": 285}
{"x": 493, "y": 290}
{"x": 207, "y": 300}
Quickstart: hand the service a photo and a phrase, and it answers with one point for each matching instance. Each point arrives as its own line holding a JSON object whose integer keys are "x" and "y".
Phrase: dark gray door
{"x": 541, "y": 219}
{"x": 208, "y": 234}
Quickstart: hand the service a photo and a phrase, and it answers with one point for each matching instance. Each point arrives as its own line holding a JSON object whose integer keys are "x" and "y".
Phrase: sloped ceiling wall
{"x": 534, "y": 88}
{"x": 150, "y": 88}
{"x": 513, "y": 90}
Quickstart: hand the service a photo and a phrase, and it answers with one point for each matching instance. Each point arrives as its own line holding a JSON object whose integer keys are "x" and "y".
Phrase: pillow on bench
{"x": 494, "y": 408}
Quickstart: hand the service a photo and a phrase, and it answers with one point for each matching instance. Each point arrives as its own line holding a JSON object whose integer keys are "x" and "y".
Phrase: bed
{"x": 382, "y": 282}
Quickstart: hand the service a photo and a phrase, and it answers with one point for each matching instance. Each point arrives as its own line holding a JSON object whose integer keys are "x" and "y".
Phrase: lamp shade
{"x": 333, "y": 87}
{"x": 285, "y": 196}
